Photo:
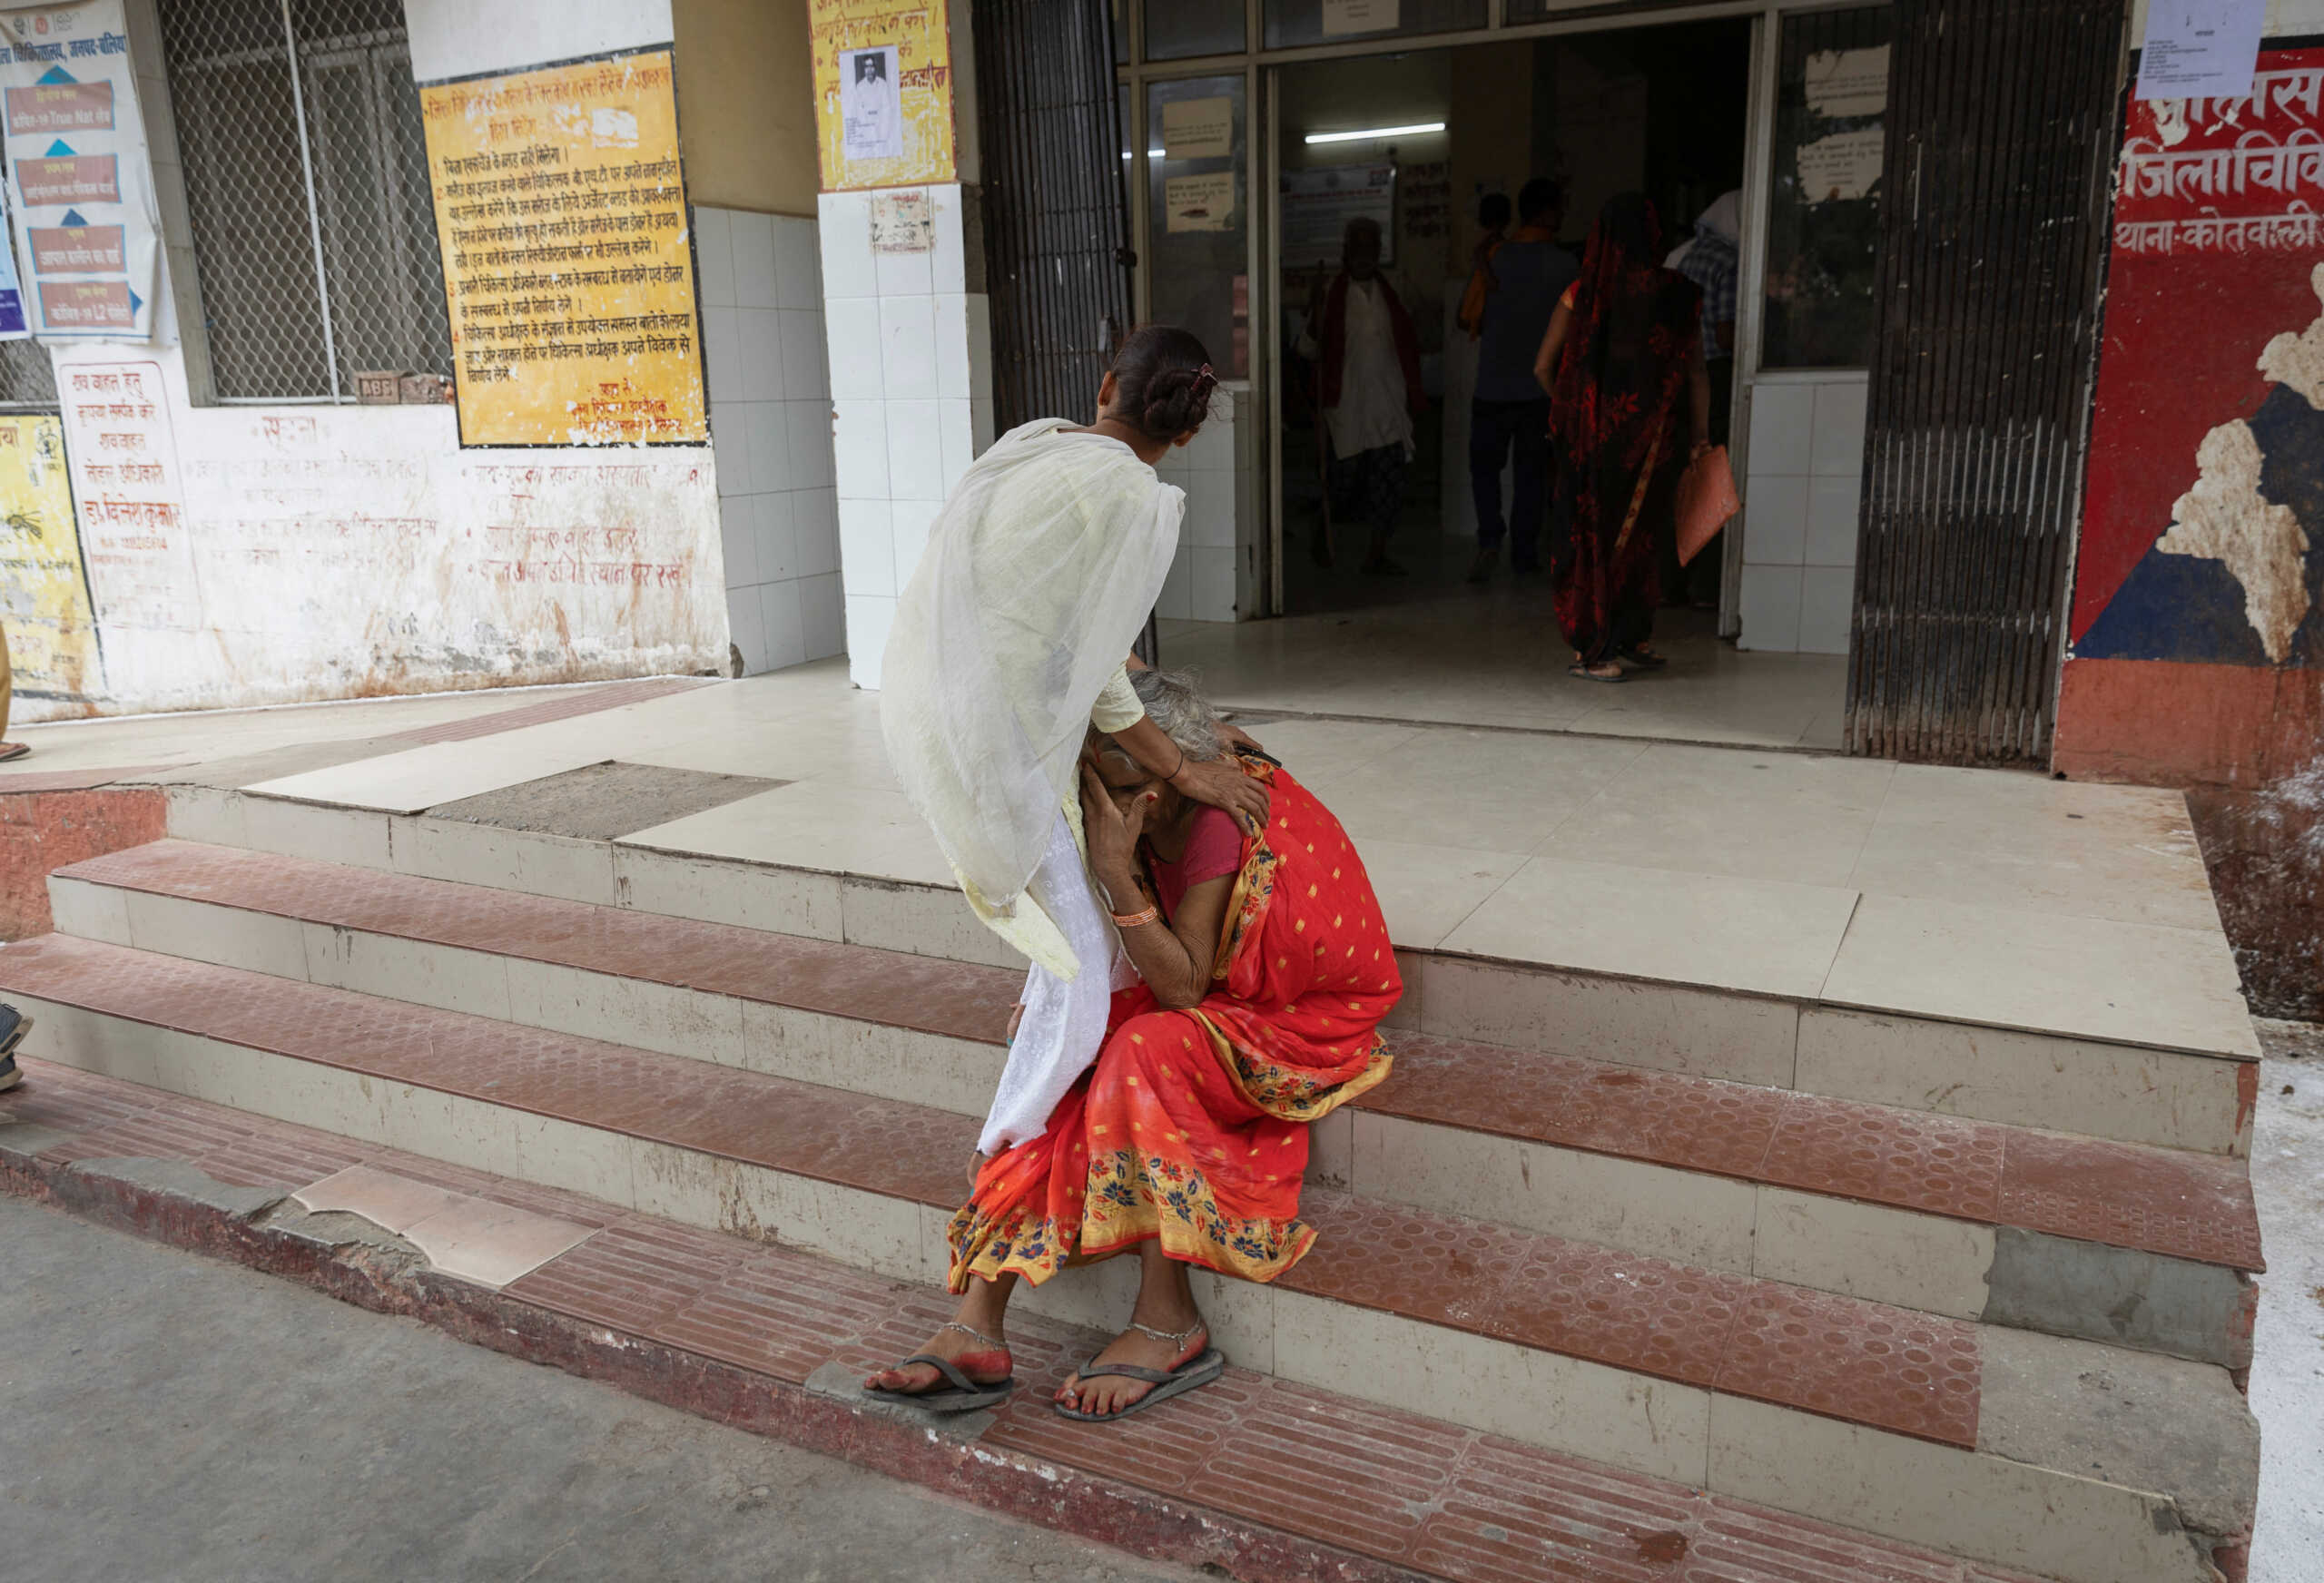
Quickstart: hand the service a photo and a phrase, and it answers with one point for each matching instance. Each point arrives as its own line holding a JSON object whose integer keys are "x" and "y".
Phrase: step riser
{"x": 1877, "y": 1252}
{"x": 1972, "y": 1503}
{"x": 2124, "y": 1093}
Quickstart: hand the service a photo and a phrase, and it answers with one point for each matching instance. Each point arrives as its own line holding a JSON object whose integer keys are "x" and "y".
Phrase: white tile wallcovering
{"x": 1799, "y": 514}
{"x": 910, "y": 377}
{"x": 1214, "y": 576}
{"x": 769, "y": 430}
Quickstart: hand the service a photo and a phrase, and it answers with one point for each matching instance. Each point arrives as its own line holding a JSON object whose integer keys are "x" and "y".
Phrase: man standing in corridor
{"x": 1509, "y": 299}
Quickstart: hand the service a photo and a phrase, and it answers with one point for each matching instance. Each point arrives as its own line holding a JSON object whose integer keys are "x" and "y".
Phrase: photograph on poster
{"x": 873, "y": 119}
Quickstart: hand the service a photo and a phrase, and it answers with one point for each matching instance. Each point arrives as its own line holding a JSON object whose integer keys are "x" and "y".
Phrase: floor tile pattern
{"x": 565, "y": 706}
{"x": 926, "y": 993}
{"x": 1447, "y": 1501}
{"x": 76, "y": 779}
{"x": 2162, "y": 1200}
{"x": 1648, "y": 1315}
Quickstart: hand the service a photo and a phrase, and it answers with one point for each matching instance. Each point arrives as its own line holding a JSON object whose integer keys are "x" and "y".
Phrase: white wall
{"x": 1214, "y": 576}
{"x": 1800, "y": 513}
{"x": 912, "y": 399}
{"x": 770, "y": 420}
{"x": 458, "y": 38}
{"x": 288, "y": 553}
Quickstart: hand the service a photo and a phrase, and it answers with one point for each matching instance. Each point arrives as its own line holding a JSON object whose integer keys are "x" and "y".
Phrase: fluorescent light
{"x": 1370, "y": 132}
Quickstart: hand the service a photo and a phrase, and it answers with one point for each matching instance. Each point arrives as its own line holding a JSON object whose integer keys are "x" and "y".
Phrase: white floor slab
{"x": 1761, "y": 935}
{"x": 2091, "y": 977}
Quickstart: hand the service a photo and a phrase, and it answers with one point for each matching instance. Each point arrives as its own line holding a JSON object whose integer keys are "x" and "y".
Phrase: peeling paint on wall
{"x": 2225, "y": 518}
{"x": 313, "y": 553}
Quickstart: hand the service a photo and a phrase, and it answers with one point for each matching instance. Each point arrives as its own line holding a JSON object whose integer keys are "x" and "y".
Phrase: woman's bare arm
{"x": 1174, "y": 959}
{"x": 1545, "y": 363}
{"x": 1218, "y": 782}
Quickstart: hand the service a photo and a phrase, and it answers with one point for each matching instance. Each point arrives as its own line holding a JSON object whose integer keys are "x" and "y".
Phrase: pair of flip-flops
{"x": 962, "y": 1394}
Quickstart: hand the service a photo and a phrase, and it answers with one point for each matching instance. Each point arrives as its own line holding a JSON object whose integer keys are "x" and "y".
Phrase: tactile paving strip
{"x": 2165, "y": 1201}
{"x": 1413, "y": 1491}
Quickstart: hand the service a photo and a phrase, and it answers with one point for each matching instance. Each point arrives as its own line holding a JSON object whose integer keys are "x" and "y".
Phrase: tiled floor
{"x": 1494, "y": 658}
{"x": 2084, "y": 909}
{"x": 1451, "y": 1502}
{"x": 2168, "y": 1202}
{"x": 155, "y": 741}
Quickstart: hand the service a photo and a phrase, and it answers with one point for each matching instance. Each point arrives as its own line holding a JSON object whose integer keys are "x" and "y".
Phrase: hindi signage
{"x": 568, "y": 271}
{"x": 52, "y": 631}
{"x": 86, "y": 231}
{"x": 883, "y": 92}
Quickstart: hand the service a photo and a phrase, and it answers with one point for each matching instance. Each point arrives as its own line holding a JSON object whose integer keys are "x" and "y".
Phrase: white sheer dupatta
{"x": 1038, "y": 574}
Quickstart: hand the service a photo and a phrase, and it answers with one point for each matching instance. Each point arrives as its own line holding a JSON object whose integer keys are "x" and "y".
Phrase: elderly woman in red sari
{"x": 1624, "y": 351}
{"x": 1266, "y": 972}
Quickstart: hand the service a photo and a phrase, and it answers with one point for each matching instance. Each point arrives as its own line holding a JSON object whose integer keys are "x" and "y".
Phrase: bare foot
{"x": 1112, "y": 1392}
{"x": 982, "y": 1357}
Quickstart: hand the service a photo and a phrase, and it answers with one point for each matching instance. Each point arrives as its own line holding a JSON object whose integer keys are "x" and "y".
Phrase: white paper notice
{"x": 1845, "y": 83}
{"x": 1199, "y": 203}
{"x": 1341, "y": 16}
{"x": 1840, "y": 167}
{"x": 871, "y": 109}
{"x": 1199, "y": 129}
{"x": 2200, "y": 49}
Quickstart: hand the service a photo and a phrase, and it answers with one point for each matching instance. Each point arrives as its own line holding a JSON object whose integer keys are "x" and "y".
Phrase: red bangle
{"x": 1134, "y": 919}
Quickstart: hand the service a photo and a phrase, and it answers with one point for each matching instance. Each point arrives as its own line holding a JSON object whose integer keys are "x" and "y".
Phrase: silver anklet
{"x": 964, "y": 1330}
{"x": 1179, "y": 1339}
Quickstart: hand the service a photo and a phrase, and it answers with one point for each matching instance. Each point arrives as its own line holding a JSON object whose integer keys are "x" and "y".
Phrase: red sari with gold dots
{"x": 1191, "y": 1126}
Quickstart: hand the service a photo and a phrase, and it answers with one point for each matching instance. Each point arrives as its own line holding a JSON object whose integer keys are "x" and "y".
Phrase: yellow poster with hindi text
{"x": 43, "y": 584}
{"x": 883, "y": 92}
{"x": 568, "y": 272}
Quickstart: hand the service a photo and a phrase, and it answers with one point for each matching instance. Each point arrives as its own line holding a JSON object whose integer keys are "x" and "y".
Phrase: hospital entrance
{"x": 1257, "y": 174}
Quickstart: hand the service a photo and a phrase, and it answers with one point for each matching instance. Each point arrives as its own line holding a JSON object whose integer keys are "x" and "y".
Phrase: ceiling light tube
{"x": 1415, "y": 130}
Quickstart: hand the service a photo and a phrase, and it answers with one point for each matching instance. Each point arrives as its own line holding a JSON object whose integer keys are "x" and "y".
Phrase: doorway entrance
{"x": 1250, "y": 150}
{"x": 1658, "y": 110}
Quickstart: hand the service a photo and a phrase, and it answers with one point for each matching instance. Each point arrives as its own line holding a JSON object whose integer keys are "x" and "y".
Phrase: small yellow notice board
{"x": 43, "y": 588}
{"x": 883, "y": 91}
{"x": 567, "y": 272}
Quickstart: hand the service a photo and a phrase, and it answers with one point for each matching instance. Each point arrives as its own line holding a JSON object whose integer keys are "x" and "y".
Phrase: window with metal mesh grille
{"x": 27, "y": 377}
{"x": 306, "y": 179}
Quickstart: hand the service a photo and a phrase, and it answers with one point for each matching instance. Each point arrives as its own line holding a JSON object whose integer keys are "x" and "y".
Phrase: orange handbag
{"x": 1706, "y": 500}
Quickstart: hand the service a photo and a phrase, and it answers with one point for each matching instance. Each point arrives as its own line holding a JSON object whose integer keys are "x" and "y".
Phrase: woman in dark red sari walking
{"x": 1623, "y": 350}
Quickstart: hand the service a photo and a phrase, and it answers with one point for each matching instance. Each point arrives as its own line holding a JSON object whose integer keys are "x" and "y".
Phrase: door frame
{"x": 1260, "y": 66}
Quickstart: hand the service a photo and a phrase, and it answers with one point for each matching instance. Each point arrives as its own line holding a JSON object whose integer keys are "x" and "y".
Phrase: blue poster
{"x": 12, "y": 324}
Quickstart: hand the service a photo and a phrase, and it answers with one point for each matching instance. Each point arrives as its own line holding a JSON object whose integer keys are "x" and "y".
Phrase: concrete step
{"x": 1253, "y": 1477}
{"x": 2132, "y": 1245}
{"x": 2060, "y": 1457}
{"x": 2099, "y": 1070}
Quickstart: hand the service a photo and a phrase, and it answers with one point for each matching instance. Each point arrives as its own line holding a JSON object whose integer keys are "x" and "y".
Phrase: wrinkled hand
{"x": 1112, "y": 838}
{"x": 1235, "y": 737}
{"x": 1221, "y": 783}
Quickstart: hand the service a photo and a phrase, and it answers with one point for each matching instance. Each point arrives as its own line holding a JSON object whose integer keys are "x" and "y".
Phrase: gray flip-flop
{"x": 1167, "y": 1383}
{"x": 965, "y": 1396}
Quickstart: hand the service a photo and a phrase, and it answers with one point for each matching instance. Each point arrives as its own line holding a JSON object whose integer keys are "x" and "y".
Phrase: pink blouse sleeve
{"x": 1213, "y": 848}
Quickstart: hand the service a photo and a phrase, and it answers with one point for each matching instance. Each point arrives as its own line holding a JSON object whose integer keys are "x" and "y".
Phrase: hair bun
{"x": 1163, "y": 382}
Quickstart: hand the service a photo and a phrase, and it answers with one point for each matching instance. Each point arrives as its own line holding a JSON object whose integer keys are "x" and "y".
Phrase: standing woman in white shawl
{"x": 1010, "y": 644}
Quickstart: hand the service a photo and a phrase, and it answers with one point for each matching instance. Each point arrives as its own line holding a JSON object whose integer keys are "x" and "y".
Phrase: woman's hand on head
{"x": 1112, "y": 835}
{"x": 1221, "y": 783}
{"x": 1234, "y": 738}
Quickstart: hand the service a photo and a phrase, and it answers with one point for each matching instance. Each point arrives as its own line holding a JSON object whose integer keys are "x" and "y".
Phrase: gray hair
{"x": 1181, "y": 713}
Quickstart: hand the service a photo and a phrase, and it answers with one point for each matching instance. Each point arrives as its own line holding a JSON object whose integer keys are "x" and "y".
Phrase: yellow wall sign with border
{"x": 568, "y": 272}
{"x": 43, "y": 586}
{"x": 883, "y": 92}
